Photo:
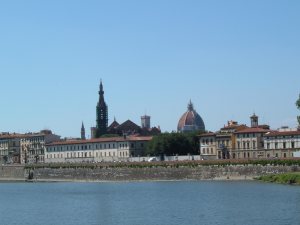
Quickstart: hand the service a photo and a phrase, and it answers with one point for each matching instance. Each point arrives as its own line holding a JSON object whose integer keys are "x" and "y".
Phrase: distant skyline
{"x": 231, "y": 58}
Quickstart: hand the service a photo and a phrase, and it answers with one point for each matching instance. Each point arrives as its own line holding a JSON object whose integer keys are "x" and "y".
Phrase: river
{"x": 149, "y": 203}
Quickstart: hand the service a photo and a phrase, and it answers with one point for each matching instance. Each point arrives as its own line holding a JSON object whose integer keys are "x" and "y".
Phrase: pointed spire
{"x": 190, "y": 106}
{"x": 101, "y": 95}
{"x": 82, "y": 131}
{"x": 101, "y": 92}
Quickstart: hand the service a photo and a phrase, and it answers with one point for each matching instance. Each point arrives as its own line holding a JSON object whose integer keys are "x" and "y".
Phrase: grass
{"x": 286, "y": 178}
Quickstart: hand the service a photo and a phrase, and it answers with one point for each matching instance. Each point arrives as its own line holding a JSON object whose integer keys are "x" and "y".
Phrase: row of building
{"x": 119, "y": 142}
{"x": 25, "y": 148}
{"x": 45, "y": 147}
{"x": 236, "y": 141}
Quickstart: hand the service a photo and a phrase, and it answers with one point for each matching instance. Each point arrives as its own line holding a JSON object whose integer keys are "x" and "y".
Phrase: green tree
{"x": 298, "y": 106}
{"x": 173, "y": 144}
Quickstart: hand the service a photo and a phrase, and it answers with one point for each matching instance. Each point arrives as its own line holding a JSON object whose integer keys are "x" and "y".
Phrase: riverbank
{"x": 158, "y": 171}
{"x": 286, "y": 178}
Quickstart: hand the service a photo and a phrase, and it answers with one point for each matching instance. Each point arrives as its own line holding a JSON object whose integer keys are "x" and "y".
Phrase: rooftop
{"x": 101, "y": 140}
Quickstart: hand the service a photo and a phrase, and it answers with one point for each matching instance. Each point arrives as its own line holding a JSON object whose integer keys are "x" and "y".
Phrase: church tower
{"x": 102, "y": 114}
{"x": 82, "y": 132}
{"x": 254, "y": 120}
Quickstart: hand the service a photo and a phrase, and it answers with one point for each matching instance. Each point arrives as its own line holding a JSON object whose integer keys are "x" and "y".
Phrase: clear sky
{"x": 232, "y": 58}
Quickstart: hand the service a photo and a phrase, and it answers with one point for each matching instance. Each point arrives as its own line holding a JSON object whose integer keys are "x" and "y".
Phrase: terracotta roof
{"x": 207, "y": 134}
{"x": 234, "y": 126}
{"x": 102, "y": 140}
{"x": 252, "y": 130}
{"x": 11, "y": 136}
{"x": 282, "y": 133}
{"x": 191, "y": 118}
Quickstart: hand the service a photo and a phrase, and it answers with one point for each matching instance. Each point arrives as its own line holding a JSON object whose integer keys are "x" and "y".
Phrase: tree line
{"x": 174, "y": 144}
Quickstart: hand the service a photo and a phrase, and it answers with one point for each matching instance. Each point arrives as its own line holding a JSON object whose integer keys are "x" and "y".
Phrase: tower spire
{"x": 102, "y": 113}
{"x": 82, "y": 131}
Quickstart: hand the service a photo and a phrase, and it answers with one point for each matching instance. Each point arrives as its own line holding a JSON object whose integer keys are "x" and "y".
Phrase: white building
{"x": 282, "y": 143}
{"x": 96, "y": 150}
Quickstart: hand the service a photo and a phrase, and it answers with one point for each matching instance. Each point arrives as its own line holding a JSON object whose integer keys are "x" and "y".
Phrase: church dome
{"x": 190, "y": 121}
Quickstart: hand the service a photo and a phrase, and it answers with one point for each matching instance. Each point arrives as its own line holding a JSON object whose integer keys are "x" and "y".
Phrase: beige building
{"x": 96, "y": 150}
{"x": 220, "y": 145}
{"x": 33, "y": 146}
{"x": 250, "y": 143}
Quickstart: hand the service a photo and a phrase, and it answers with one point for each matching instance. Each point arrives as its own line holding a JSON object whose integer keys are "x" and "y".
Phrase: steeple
{"x": 102, "y": 114}
{"x": 101, "y": 95}
{"x": 82, "y": 132}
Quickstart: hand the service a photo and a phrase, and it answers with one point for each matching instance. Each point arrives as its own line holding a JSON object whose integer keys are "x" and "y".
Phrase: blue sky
{"x": 232, "y": 58}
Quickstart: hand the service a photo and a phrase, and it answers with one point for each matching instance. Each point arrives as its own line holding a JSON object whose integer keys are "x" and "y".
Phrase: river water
{"x": 149, "y": 203}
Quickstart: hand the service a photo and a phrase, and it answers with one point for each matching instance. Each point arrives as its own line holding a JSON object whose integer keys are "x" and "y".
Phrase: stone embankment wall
{"x": 138, "y": 174}
{"x": 12, "y": 173}
{"x": 237, "y": 172}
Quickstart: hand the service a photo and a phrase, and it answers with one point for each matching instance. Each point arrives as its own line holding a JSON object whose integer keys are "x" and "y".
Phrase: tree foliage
{"x": 173, "y": 144}
{"x": 298, "y": 106}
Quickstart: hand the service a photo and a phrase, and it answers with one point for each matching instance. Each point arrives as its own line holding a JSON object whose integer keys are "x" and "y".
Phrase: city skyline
{"x": 230, "y": 59}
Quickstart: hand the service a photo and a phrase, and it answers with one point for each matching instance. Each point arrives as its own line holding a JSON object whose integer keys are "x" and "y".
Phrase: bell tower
{"x": 102, "y": 114}
{"x": 82, "y": 132}
{"x": 254, "y": 120}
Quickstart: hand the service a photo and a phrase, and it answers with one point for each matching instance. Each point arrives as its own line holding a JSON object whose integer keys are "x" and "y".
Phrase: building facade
{"x": 10, "y": 148}
{"x": 236, "y": 141}
{"x": 33, "y": 146}
{"x": 221, "y": 144}
{"x": 250, "y": 143}
{"x": 96, "y": 150}
{"x": 282, "y": 144}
